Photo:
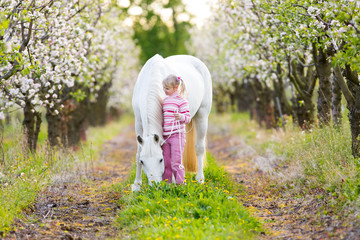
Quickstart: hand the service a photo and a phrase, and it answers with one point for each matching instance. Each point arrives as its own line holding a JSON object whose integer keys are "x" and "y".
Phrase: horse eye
{"x": 141, "y": 162}
{"x": 161, "y": 160}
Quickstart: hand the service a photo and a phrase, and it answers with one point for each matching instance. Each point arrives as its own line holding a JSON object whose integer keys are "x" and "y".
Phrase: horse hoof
{"x": 200, "y": 179}
{"x": 135, "y": 187}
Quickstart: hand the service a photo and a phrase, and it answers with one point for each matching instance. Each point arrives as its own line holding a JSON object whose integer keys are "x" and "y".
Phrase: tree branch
{"x": 296, "y": 76}
{"x": 80, "y": 10}
{"x": 303, "y": 64}
{"x": 344, "y": 88}
{"x": 292, "y": 78}
{"x": 312, "y": 76}
{"x": 24, "y": 44}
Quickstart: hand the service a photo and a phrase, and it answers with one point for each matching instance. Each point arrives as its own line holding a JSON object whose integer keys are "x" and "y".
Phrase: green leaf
{"x": 4, "y": 24}
{"x": 25, "y": 71}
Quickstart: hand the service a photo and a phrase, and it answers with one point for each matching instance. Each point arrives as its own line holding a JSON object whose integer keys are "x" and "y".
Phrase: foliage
{"x": 253, "y": 37}
{"x": 195, "y": 211}
{"x": 57, "y": 53}
{"x": 160, "y": 27}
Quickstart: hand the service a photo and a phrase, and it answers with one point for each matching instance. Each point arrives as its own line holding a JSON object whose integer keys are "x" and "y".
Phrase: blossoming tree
{"x": 55, "y": 57}
{"x": 299, "y": 43}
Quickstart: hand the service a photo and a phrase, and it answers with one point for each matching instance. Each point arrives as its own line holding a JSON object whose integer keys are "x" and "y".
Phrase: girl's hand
{"x": 177, "y": 116}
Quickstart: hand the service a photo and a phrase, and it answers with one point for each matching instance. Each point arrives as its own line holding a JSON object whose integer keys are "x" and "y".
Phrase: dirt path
{"x": 286, "y": 214}
{"x": 76, "y": 206}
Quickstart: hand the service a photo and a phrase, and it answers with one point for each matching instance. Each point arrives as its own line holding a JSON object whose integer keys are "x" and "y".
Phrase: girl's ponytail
{"x": 182, "y": 90}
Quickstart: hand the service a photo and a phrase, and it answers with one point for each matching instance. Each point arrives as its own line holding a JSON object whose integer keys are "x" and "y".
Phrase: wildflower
{"x": 174, "y": 218}
{"x": 206, "y": 219}
{"x": 147, "y": 210}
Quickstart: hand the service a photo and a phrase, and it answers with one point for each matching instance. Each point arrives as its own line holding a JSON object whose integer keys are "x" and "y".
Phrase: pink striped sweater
{"x": 171, "y": 104}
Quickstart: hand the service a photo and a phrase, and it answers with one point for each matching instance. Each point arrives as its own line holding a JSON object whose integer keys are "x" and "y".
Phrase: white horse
{"x": 147, "y": 104}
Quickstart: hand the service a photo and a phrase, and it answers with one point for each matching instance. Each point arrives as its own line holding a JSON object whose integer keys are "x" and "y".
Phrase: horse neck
{"x": 154, "y": 108}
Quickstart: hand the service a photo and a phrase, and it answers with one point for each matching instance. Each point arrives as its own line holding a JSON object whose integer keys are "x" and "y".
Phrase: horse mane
{"x": 153, "y": 109}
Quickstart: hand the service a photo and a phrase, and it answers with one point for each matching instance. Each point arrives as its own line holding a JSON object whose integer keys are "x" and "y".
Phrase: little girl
{"x": 176, "y": 114}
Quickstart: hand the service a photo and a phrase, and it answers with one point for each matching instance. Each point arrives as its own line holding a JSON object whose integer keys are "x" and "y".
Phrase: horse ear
{"x": 156, "y": 138}
{"x": 140, "y": 140}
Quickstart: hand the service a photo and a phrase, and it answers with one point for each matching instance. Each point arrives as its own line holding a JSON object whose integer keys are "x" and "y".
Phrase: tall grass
{"x": 321, "y": 156}
{"x": 191, "y": 211}
{"x": 326, "y": 159}
{"x": 23, "y": 174}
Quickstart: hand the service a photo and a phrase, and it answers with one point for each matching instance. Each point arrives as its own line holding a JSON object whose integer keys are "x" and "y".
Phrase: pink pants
{"x": 172, "y": 158}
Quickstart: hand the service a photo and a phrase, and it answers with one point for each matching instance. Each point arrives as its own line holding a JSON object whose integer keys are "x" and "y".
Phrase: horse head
{"x": 151, "y": 157}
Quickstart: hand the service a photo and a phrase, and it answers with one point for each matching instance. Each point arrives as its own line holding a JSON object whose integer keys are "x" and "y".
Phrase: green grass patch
{"x": 23, "y": 175}
{"x": 323, "y": 154}
{"x": 326, "y": 160}
{"x": 191, "y": 211}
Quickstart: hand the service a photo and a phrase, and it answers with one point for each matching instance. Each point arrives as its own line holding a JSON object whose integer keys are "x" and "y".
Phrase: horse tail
{"x": 189, "y": 155}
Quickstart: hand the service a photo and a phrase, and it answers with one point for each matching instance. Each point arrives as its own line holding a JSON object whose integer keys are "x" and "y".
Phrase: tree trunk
{"x": 354, "y": 109}
{"x": 76, "y": 123}
{"x": 279, "y": 91}
{"x": 336, "y": 102}
{"x": 264, "y": 108}
{"x": 304, "y": 83}
{"x": 323, "y": 69}
{"x": 54, "y": 123}
{"x": 304, "y": 111}
{"x": 97, "y": 110}
{"x": 221, "y": 99}
{"x": 31, "y": 123}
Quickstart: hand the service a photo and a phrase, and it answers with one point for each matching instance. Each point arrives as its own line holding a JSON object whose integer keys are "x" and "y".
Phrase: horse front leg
{"x": 137, "y": 183}
{"x": 201, "y": 129}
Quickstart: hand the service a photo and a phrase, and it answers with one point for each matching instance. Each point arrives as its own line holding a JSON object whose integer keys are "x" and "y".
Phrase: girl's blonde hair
{"x": 174, "y": 81}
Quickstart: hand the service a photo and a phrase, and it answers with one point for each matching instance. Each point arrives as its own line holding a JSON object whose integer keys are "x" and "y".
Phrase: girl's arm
{"x": 184, "y": 113}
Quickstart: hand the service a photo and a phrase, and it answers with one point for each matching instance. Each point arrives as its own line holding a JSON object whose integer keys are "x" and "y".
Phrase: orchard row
{"x": 271, "y": 57}
{"x": 65, "y": 58}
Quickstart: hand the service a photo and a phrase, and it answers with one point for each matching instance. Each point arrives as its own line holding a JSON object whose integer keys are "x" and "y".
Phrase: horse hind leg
{"x": 201, "y": 124}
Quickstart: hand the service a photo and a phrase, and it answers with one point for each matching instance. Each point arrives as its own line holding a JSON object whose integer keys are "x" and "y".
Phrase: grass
{"x": 23, "y": 175}
{"x": 322, "y": 156}
{"x": 191, "y": 211}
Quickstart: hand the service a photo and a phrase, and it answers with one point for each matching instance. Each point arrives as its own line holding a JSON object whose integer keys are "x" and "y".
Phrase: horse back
{"x": 197, "y": 80}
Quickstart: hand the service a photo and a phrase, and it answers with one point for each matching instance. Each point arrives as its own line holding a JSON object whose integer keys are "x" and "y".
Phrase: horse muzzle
{"x": 155, "y": 180}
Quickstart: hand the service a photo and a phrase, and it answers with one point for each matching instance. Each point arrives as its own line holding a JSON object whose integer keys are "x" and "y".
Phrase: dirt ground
{"x": 286, "y": 214}
{"x": 78, "y": 207}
